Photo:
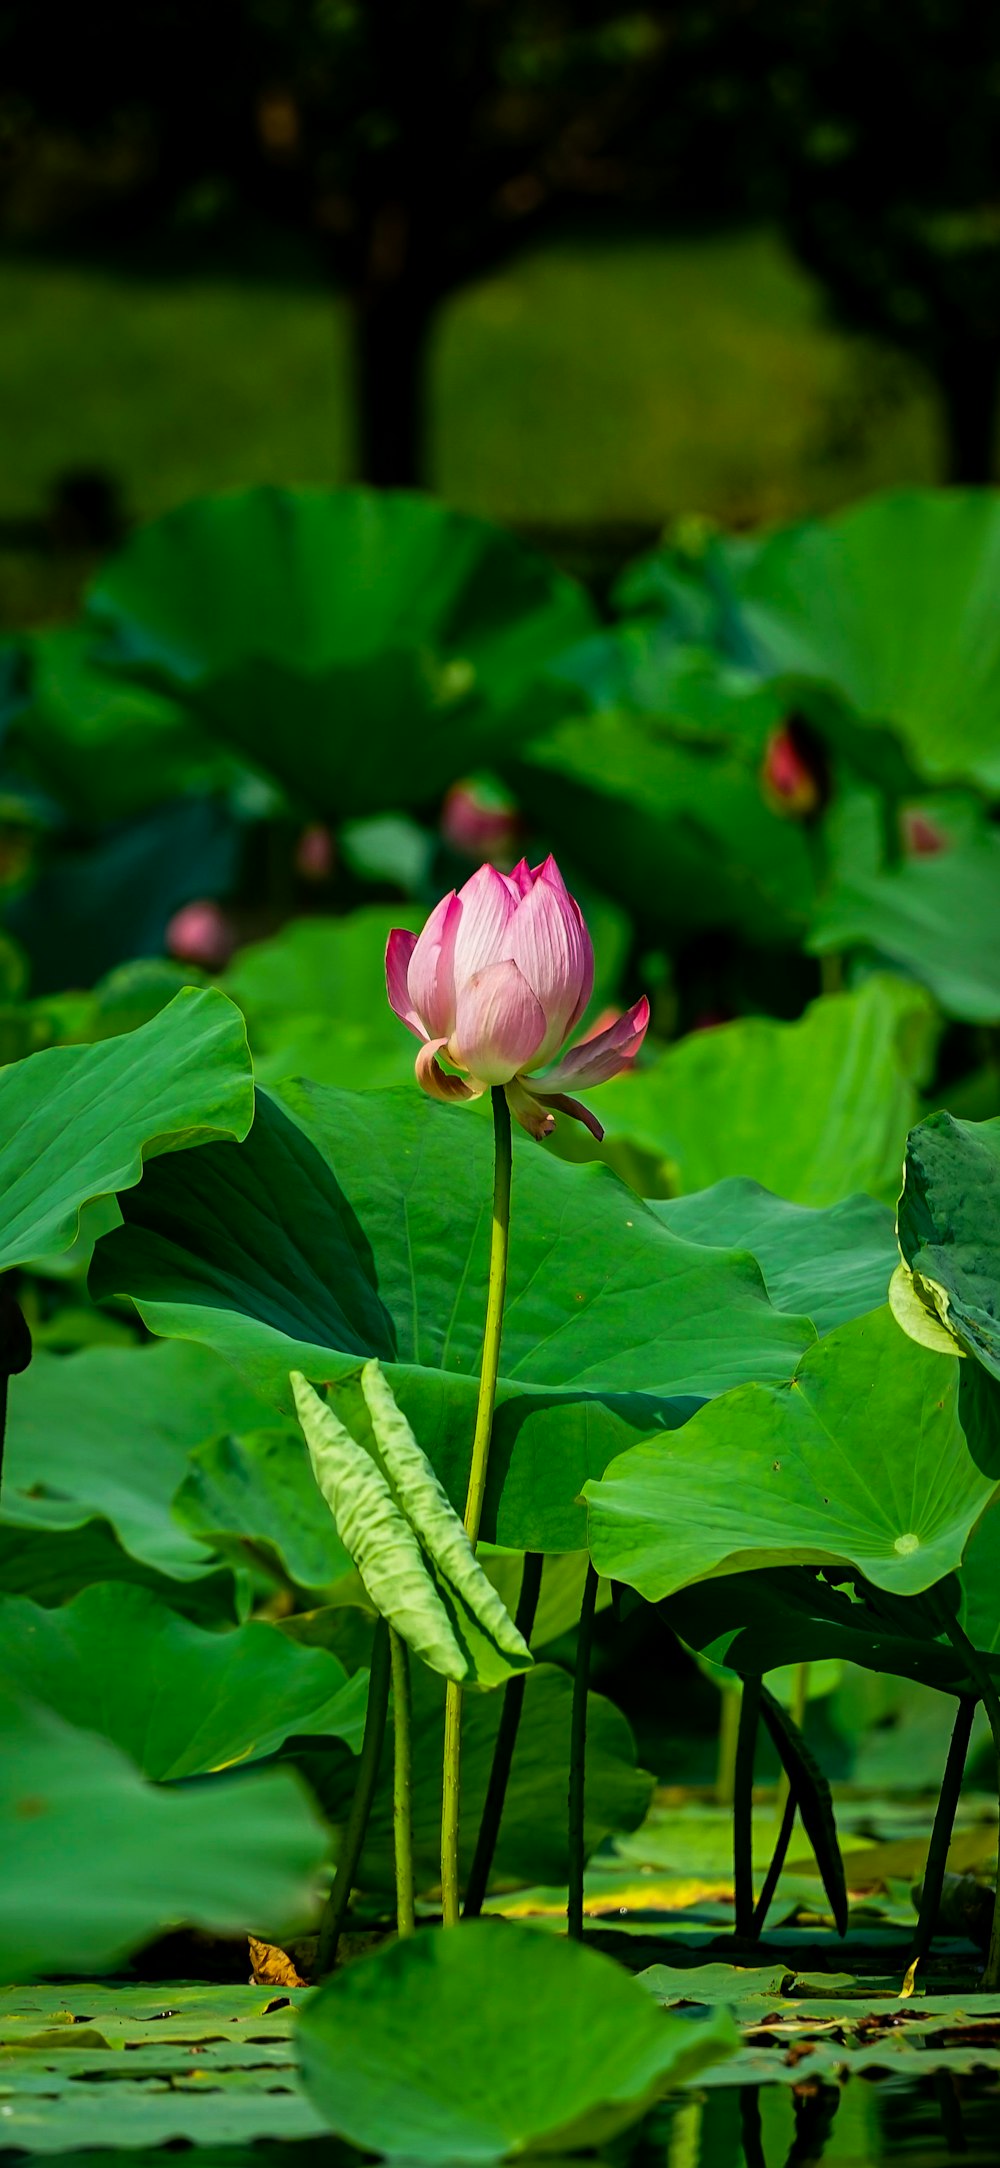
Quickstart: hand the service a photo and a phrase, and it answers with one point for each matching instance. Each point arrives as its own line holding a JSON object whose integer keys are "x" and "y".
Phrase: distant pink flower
{"x": 201, "y": 933}
{"x": 794, "y": 770}
{"x": 922, "y": 837}
{"x": 497, "y": 981}
{"x": 479, "y": 823}
{"x": 315, "y": 853}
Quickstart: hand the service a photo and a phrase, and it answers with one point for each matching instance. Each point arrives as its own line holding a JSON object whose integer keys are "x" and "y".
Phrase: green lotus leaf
{"x": 94, "y": 1861}
{"x": 178, "y": 1699}
{"x": 401, "y": 643}
{"x": 829, "y": 1264}
{"x": 860, "y": 1462}
{"x": 399, "y": 2051}
{"x": 812, "y": 1110}
{"x": 79, "y": 1121}
{"x": 948, "y": 1222}
{"x": 352, "y": 1225}
{"x": 827, "y": 598}
{"x": 106, "y": 1434}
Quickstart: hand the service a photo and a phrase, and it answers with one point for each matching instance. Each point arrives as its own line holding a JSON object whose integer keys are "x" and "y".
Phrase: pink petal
{"x": 595, "y": 1060}
{"x": 487, "y": 907}
{"x": 499, "y": 1024}
{"x": 398, "y": 950}
{"x": 520, "y": 881}
{"x": 436, "y": 1081}
{"x": 431, "y": 975}
{"x": 574, "y": 1107}
{"x": 528, "y": 1111}
{"x": 551, "y": 946}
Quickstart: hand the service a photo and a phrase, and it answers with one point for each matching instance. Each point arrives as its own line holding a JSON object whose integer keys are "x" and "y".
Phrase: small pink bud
{"x": 922, "y": 838}
{"x": 497, "y": 981}
{"x": 315, "y": 853}
{"x": 480, "y": 822}
{"x": 794, "y": 770}
{"x": 201, "y": 933}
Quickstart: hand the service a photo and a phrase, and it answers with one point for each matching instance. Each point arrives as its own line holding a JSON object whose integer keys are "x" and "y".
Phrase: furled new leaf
{"x": 406, "y": 1539}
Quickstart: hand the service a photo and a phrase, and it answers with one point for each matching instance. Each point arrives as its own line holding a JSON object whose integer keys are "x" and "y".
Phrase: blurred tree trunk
{"x": 970, "y": 390}
{"x": 391, "y": 333}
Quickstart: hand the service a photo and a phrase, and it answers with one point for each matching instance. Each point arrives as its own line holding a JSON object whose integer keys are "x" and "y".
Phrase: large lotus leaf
{"x": 314, "y": 1003}
{"x": 106, "y": 1434}
{"x": 255, "y": 1496}
{"x": 613, "y": 1325}
{"x": 51, "y": 1565}
{"x": 532, "y": 1845}
{"x": 860, "y": 1461}
{"x": 813, "y": 1110}
{"x": 79, "y": 1121}
{"x": 761, "y": 1621}
{"x": 949, "y": 1228}
{"x": 178, "y": 1699}
{"x": 481, "y": 2044}
{"x": 934, "y": 916}
{"x": 365, "y": 647}
{"x": 106, "y": 747}
{"x": 893, "y": 602}
{"x": 94, "y": 1861}
{"x": 662, "y": 783}
{"x": 829, "y": 1265}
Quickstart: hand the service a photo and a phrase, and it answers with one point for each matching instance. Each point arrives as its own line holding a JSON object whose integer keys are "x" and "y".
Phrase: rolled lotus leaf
{"x": 406, "y": 1539}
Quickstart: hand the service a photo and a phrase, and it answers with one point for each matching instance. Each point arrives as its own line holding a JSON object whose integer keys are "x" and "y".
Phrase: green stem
{"x": 361, "y": 1805}
{"x": 944, "y": 1823}
{"x": 746, "y": 1745}
{"x": 982, "y": 1677}
{"x": 499, "y": 1242}
{"x": 778, "y": 1857}
{"x": 800, "y": 1702}
{"x": 578, "y": 1757}
{"x": 506, "y": 1741}
{"x": 725, "y": 1770}
{"x": 402, "y": 1782}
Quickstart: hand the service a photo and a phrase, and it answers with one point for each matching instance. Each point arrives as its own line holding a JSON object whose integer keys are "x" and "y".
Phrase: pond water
{"x": 927, "y": 2124}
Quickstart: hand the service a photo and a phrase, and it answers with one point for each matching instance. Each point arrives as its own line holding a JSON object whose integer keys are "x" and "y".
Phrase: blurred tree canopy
{"x": 419, "y": 142}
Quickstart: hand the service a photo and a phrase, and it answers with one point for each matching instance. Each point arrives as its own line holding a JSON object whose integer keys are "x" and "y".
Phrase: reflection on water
{"x": 930, "y": 2124}
{"x": 860, "y": 2124}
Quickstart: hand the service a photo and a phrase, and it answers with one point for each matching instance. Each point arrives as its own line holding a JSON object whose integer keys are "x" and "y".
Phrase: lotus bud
{"x": 315, "y": 853}
{"x": 479, "y": 821}
{"x": 201, "y": 933}
{"x": 497, "y": 982}
{"x": 794, "y": 773}
{"x": 922, "y": 837}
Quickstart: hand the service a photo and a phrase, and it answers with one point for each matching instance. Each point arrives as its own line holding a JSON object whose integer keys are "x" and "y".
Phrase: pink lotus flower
{"x": 497, "y": 981}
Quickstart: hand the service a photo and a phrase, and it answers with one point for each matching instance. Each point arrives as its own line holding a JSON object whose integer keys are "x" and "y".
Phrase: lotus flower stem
{"x": 944, "y": 1823}
{"x": 746, "y": 1746}
{"x": 361, "y": 1805}
{"x": 489, "y": 1370}
{"x": 402, "y": 1781}
{"x": 506, "y": 1741}
{"x": 578, "y": 1757}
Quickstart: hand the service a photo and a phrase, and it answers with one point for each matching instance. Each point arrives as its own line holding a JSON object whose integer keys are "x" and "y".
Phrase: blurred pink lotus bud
{"x": 315, "y": 853}
{"x": 479, "y": 821}
{"x": 497, "y": 981}
{"x": 794, "y": 770}
{"x": 922, "y": 838}
{"x": 201, "y": 933}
